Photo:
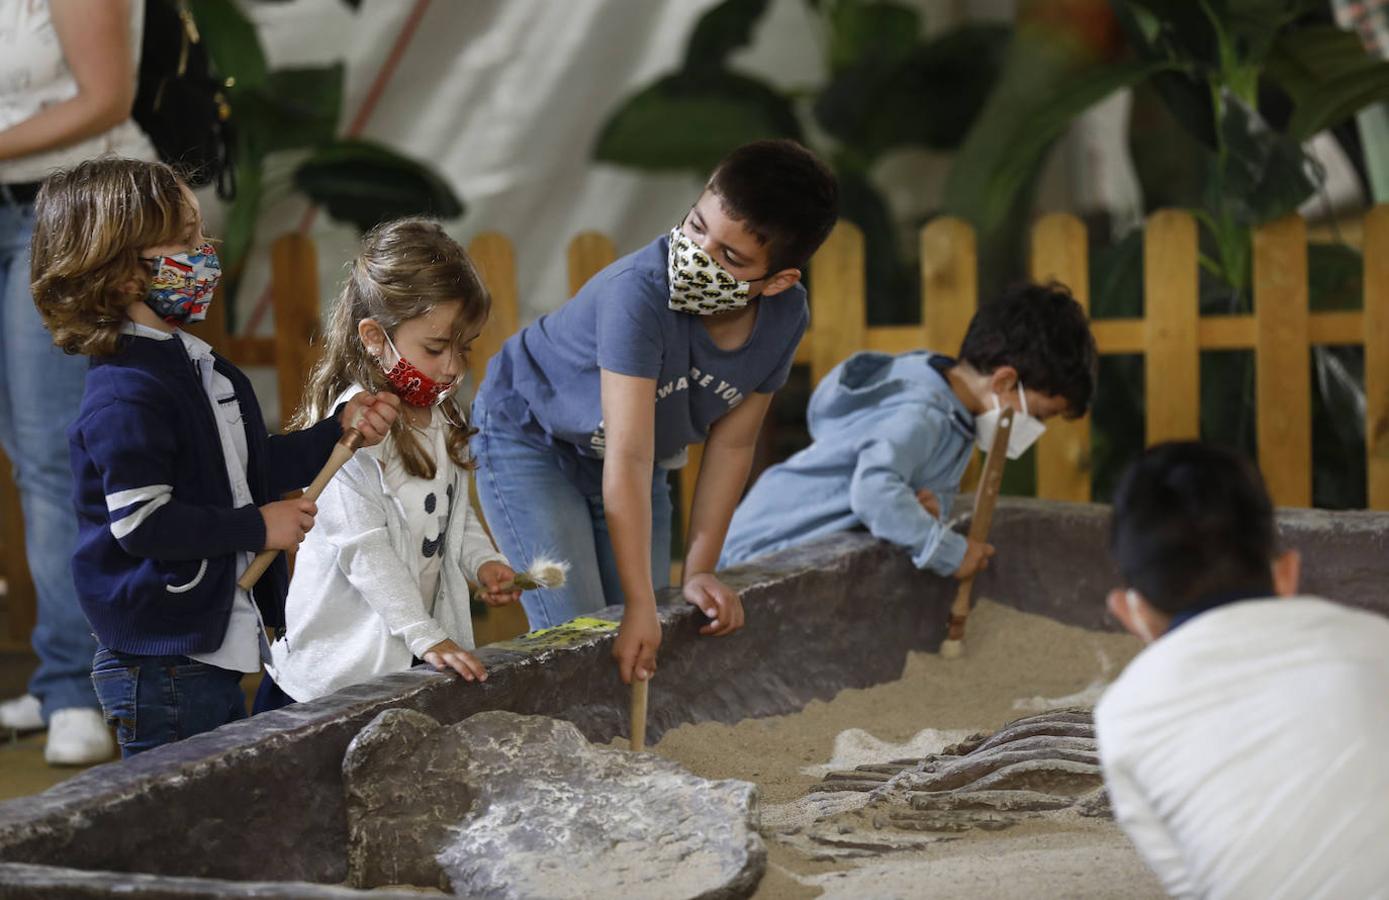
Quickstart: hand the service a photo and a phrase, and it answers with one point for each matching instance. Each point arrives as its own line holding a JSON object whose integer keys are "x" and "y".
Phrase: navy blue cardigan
{"x": 158, "y": 537}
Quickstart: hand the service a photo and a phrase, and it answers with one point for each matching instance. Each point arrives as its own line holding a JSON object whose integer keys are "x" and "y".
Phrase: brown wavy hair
{"x": 91, "y": 223}
{"x": 405, "y": 269}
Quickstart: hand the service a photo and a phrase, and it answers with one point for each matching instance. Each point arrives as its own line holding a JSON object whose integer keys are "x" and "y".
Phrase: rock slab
{"x": 502, "y": 805}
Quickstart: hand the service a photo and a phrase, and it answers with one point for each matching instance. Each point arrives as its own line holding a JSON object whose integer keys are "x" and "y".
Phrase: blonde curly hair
{"x": 91, "y": 223}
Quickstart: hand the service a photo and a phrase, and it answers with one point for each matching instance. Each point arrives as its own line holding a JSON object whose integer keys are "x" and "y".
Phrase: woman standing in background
{"x": 67, "y": 82}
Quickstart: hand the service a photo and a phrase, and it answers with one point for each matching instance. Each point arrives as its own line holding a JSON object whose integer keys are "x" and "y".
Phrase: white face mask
{"x": 1139, "y": 623}
{"x": 698, "y": 284}
{"x": 1026, "y": 428}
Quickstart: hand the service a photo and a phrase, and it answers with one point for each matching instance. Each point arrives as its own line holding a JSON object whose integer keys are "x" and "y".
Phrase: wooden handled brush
{"x": 342, "y": 451}
{"x": 985, "y": 496}
{"x": 637, "y": 712}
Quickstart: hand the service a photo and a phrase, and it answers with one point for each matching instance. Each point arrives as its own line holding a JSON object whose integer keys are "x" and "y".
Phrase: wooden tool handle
{"x": 342, "y": 451}
{"x": 985, "y": 496}
{"x": 638, "y": 714}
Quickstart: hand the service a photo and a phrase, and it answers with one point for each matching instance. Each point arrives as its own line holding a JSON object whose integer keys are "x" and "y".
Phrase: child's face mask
{"x": 1027, "y": 428}
{"x": 413, "y": 386}
{"x": 698, "y": 284}
{"x": 182, "y": 284}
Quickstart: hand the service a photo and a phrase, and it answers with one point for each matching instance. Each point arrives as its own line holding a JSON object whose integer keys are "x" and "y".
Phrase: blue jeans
{"x": 534, "y": 509}
{"x": 156, "y": 700}
{"x": 40, "y": 391}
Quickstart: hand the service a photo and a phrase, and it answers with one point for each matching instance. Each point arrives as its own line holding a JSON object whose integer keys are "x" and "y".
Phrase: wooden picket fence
{"x": 1170, "y": 336}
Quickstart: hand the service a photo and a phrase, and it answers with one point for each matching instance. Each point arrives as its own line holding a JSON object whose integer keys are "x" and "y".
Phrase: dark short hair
{"x": 1040, "y": 330}
{"x": 782, "y": 193}
{"x": 1192, "y": 520}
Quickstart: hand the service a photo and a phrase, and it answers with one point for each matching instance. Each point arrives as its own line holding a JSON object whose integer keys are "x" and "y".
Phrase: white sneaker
{"x": 22, "y": 714}
{"x": 78, "y": 737}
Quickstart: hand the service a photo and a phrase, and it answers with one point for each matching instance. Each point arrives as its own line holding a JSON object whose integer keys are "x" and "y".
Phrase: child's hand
{"x": 929, "y": 501}
{"x": 448, "y": 655}
{"x": 638, "y": 639}
{"x": 493, "y": 575}
{"x": 976, "y": 560}
{"x": 371, "y": 414}
{"x": 716, "y": 600}
{"x": 287, "y": 521}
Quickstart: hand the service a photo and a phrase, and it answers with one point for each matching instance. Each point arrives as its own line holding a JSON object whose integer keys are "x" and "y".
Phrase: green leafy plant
{"x": 1226, "y": 92}
{"x": 296, "y": 111}
{"x": 887, "y": 89}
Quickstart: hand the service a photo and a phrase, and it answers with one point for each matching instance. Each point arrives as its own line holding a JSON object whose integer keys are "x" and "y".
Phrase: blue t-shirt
{"x": 546, "y": 377}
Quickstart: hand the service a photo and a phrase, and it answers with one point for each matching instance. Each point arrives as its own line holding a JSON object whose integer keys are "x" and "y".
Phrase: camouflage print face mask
{"x": 698, "y": 284}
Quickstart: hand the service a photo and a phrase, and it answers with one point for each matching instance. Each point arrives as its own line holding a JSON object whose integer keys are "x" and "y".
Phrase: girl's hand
{"x": 287, "y": 521}
{"x": 448, "y": 655}
{"x": 638, "y": 639}
{"x": 371, "y": 414}
{"x": 929, "y": 501}
{"x": 716, "y": 600}
{"x": 493, "y": 575}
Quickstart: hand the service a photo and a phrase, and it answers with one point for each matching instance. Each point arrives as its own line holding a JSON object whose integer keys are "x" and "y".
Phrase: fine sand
{"x": 1015, "y": 664}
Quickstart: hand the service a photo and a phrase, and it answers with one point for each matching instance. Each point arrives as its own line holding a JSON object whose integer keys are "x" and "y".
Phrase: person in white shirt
{"x": 383, "y": 580}
{"x": 1244, "y": 748}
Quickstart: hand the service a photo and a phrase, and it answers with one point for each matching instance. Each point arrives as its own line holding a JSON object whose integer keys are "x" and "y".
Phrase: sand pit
{"x": 1016, "y": 665}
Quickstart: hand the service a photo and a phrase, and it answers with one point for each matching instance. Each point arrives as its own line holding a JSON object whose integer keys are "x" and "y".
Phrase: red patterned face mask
{"x": 413, "y": 386}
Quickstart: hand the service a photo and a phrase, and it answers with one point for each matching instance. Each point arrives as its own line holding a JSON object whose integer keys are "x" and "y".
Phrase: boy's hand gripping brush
{"x": 342, "y": 451}
{"x": 985, "y": 496}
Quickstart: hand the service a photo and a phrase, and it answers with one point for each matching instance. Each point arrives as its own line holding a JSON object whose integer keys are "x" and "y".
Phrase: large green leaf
{"x": 1328, "y": 76}
{"x": 231, "y": 41}
{"x": 861, "y": 32}
{"x": 929, "y": 98}
{"x": 686, "y": 122}
{"x": 298, "y": 108}
{"x": 1265, "y": 175}
{"x": 365, "y": 184}
{"x": 720, "y": 31}
{"x": 1009, "y": 142}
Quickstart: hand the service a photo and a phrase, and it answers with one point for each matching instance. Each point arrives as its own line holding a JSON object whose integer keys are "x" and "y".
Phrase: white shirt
{"x": 34, "y": 75}
{"x": 1246, "y": 752}
{"x": 243, "y": 647}
{"x": 428, "y": 503}
{"x": 359, "y": 605}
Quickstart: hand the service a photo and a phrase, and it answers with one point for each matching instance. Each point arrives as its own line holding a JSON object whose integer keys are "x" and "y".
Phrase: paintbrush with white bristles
{"x": 543, "y": 573}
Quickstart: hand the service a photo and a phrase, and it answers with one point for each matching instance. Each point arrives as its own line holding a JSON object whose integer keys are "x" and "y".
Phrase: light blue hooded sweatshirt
{"x": 882, "y": 427}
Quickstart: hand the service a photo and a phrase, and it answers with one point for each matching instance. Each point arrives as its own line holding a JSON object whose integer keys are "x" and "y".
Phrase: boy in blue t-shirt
{"x": 583, "y": 412}
{"x": 890, "y": 431}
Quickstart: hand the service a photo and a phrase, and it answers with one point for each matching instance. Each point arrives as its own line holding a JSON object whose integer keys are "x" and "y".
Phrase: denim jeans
{"x": 156, "y": 700}
{"x": 534, "y": 509}
{"x": 40, "y": 391}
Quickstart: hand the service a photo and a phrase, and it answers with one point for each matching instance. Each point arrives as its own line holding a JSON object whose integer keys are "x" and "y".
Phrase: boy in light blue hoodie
{"x": 892, "y": 435}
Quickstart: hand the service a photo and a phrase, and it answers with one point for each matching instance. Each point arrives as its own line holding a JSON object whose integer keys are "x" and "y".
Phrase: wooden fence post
{"x": 589, "y": 252}
{"x": 294, "y": 286}
{"x": 838, "y": 312}
{"x": 949, "y": 282}
{"x": 1282, "y": 363}
{"x": 1059, "y": 253}
{"x": 496, "y": 262}
{"x": 1172, "y": 381}
{"x": 1376, "y": 327}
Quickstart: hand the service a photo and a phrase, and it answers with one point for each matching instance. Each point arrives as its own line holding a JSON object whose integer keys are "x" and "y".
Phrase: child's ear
{"x": 373, "y": 336}
{"x": 1131, "y": 614}
{"x": 1287, "y": 572}
{"x": 1003, "y": 380}
{"x": 781, "y": 281}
